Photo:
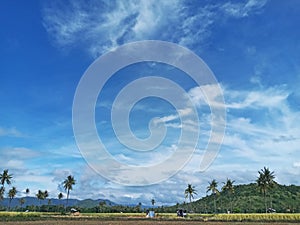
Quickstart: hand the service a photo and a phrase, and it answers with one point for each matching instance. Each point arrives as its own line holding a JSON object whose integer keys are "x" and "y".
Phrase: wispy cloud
{"x": 243, "y": 9}
{"x": 270, "y": 97}
{"x": 10, "y": 132}
{"x": 99, "y": 26}
{"x": 103, "y": 25}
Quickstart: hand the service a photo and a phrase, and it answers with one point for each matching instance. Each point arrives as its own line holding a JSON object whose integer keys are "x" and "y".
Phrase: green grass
{"x": 255, "y": 217}
{"x": 19, "y": 216}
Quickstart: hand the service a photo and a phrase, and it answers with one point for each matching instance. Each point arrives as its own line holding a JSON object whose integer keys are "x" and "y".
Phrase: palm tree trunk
{"x": 230, "y": 204}
{"x": 67, "y": 198}
{"x": 265, "y": 201}
{"x": 215, "y": 204}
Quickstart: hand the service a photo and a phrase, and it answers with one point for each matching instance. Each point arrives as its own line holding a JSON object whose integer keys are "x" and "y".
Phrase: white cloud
{"x": 210, "y": 95}
{"x": 100, "y": 26}
{"x": 10, "y": 132}
{"x": 270, "y": 97}
{"x": 243, "y": 9}
{"x": 262, "y": 130}
{"x": 13, "y": 163}
{"x": 296, "y": 164}
{"x": 103, "y": 25}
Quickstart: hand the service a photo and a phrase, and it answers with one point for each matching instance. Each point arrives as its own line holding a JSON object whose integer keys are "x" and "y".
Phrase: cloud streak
{"x": 100, "y": 26}
{"x": 10, "y": 132}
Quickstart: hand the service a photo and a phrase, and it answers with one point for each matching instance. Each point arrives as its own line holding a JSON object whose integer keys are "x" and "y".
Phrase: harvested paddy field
{"x": 135, "y": 222}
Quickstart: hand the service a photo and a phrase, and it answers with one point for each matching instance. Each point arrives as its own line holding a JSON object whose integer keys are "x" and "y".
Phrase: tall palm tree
{"x": 27, "y": 191}
{"x": 68, "y": 185}
{"x": 189, "y": 192}
{"x": 139, "y": 207}
{"x": 48, "y": 204}
{"x": 1, "y": 193}
{"x": 11, "y": 194}
{"x": 5, "y": 177}
{"x": 40, "y": 196}
{"x": 265, "y": 182}
{"x": 152, "y": 201}
{"x": 46, "y": 194}
{"x": 60, "y": 196}
{"x": 229, "y": 188}
{"x": 214, "y": 190}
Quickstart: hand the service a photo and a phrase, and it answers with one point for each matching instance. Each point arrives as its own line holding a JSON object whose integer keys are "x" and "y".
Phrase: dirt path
{"x": 135, "y": 222}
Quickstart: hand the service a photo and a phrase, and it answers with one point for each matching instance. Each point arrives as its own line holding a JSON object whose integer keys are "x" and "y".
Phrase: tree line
{"x": 265, "y": 182}
{"x": 217, "y": 190}
{"x": 6, "y": 180}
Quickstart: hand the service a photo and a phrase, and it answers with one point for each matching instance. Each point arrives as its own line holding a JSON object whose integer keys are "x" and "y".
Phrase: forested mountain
{"x": 248, "y": 198}
{"x": 33, "y": 201}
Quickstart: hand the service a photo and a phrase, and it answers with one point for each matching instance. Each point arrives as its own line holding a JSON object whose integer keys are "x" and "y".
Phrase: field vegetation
{"x": 225, "y": 202}
{"x": 168, "y": 218}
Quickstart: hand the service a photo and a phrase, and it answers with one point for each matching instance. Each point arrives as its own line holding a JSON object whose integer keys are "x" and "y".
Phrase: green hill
{"x": 247, "y": 198}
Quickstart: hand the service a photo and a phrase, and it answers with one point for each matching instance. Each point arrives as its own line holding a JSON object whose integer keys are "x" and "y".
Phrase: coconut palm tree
{"x": 11, "y": 194}
{"x": 60, "y": 196}
{"x": 22, "y": 201}
{"x": 152, "y": 201}
{"x": 214, "y": 190}
{"x": 265, "y": 182}
{"x": 229, "y": 188}
{"x": 1, "y": 193}
{"x": 5, "y": 177}
{"x": 40, "y": 196}
{"x": 139, "y": 207}
{"x": 27, "y": 191}
{"x": 68, "y": 185}
{"x": 189, "y": 192}
{"x": 46, "y": 194}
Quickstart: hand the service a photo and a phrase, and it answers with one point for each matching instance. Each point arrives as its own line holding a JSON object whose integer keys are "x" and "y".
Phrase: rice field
{"x": 36, "y": 218}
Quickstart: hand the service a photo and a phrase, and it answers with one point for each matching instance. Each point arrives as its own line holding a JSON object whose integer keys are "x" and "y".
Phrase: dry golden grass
{"x": 135, "y": 222}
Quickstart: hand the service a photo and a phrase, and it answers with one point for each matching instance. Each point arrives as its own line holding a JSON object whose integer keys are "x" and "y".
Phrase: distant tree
{"x": 48, "y": 204}
{"x": 265, "y": 182}
{"x": 228, "y": 188}
{"x": 189, "y": 192}
{"x": 46, "y": 194}
{"x": 22, "y": 202}
{"x": 27, "y": 191}
{"x": 68, "y": 185}
{"x": 212, "y": 187}
{"x": 11, "y": 194}
{"x": 102, "y": 203}
{"x": 152, "y": 201}
{"x": 139, "y": 207}
{"x": 60, "y": 196}
{"x": 40, "y": 196}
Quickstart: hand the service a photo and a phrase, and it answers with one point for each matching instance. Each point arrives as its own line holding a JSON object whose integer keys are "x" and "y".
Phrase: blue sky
{"x": 252, "y": 47}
